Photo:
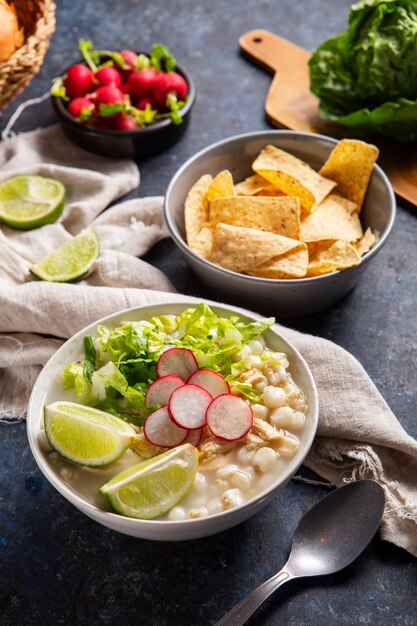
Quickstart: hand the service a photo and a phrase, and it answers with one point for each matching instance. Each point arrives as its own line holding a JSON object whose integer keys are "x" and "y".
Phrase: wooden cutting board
{"x": 290, "y": 104}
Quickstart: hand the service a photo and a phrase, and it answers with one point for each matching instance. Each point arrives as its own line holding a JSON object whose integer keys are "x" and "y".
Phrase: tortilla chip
{"x": 293, "y": 177}
{"x": 366, "y": 242}
{"x": 276, "y": 215}
{"x": 221, "y": 186}
{"x": 196, "y": 212}
{"x": 244, "y": 249}
{"x": 330, "y": 256}
{"x": 292, "y": 265}
{"x": 350, "y": 165}
{"x": 255, "y": 185}
{"x": 335, "y": 218}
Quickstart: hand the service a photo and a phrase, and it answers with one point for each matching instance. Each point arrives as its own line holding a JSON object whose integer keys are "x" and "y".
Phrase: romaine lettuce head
{"x": 121, "y": 362}
{"x": 366, "y": 78}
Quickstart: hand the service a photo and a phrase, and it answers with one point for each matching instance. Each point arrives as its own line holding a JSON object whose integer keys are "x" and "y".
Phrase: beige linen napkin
{"x": 358, "y": 436}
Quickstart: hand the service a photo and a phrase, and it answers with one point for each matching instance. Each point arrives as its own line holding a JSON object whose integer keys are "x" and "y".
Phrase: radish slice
{"x": 194, "y": 437}
{"x": 160, "y": 390}
{"x": 178, "y": 362}
{"x": 213, "y": 382}
{"x": 188, "y": 405}
{"x": 229, "y": 417}
{"x": 161, "y": 431}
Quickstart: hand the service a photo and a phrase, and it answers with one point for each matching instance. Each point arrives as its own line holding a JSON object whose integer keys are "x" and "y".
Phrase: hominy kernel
{"x": 264, "y": 459}
{"x": 289, "y": 446}
{"x": 255, "y": 346}
{"x": 255, "y": 361}
{"x": 200, "y": 483}
{"x": 282, "y": 417}
{"x": 245, "y": 455}
{"x": 224, "y": 472}
{"x": 281, "y": 373}
{"x": 197, "y": 513}
{"x": 260, "y": 411}
{"x": 176, "y": 514}
{"x": 274, "y": 397}
{"x": 299, "y": 404}
{"x": 214, "y": 506}
{"x": 66, "y": 474}
{"x": 298, "y": 421}
{"x": 231, "y": 498}
{"x": 241, "y": 480}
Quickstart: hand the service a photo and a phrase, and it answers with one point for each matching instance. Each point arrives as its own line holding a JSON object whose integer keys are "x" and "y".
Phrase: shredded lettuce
{"x": 120, "y": 363}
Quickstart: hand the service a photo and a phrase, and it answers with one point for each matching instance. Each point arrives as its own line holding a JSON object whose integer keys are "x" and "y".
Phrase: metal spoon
{"x": 329, "y": 537}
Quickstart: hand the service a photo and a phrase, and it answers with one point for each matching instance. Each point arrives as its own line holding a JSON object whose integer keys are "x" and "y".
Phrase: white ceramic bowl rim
{"x": 256, "y": 134}
{"x": 33, "y": 421}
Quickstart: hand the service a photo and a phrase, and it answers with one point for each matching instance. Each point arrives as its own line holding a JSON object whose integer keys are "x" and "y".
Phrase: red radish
{"x": 161, "y": 431}
{"x": 78, "y": 80}
{"x": 77, "y": 105}
{"x": 140, "y": 83}
{"x": 126, "y": 122}
{"x": 177, "y": 361}
{"x": 194, "y": 436}
{"x": 161, "y": 389}
{"x": 165, "y": 84}
{"x": 211, "y": 381}
{"x": 109, "y": 95}
{"x": 129, "y": 57}
{"x": 229, "y": 417}
{"x": 124, "y": 87}
{"x": 108, "y": 76}
{"x": 188, "y": 405}
{"x": 144, "y": 101}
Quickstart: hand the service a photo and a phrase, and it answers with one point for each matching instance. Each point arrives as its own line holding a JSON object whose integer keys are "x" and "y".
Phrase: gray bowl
{"x": 286, "y": 298}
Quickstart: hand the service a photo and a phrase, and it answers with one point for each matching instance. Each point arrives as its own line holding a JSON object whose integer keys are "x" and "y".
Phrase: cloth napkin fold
{"x": 358, "y": 436}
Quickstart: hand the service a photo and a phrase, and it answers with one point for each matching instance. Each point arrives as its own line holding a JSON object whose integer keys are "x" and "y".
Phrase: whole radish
{"x": 165, "y": 84}
{"x": 141, "y": 83}
{"x": 78, "y": 80}
{"x": 126, "y": 122}
{"x": 143, "y": 102}
{"x": 109, "y": 95}
{"x": 130, "y": 58}
{"x": 108, "y": 76}
{"x": 77, "y": 105}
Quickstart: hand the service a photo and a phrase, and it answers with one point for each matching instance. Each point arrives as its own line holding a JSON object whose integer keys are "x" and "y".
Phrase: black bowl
{"x": 131, "y": 144}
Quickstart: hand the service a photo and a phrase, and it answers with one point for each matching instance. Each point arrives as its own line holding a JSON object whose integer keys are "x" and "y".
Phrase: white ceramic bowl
{"x": 48, "y": 389}
{"x": 284, "y": 298}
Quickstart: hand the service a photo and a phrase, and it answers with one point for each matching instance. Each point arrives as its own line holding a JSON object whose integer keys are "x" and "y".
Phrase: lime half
{"x": 30, "y": 201}
{"x": 153, "y": 487}
{"x": 71, "y": 260}
{"x": 84, "y": 435}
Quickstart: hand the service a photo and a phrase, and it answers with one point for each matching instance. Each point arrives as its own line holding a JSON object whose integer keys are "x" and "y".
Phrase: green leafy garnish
{"x": 90, "y": 359}
{"x": 58, "y": 88}
{"x": 161, "y": 58}
{"x": 142, "y": 62}
{"x": 119, "y": 366}
{"x": 89, "y": 53}
{"x": 366, "y": 78}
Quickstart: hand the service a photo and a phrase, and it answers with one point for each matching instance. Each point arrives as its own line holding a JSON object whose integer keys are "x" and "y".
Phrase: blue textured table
{"x": 59, "y": 567}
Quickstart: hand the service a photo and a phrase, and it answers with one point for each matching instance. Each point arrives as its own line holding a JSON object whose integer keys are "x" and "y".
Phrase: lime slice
{"x": 30, "y": 201}
{"x": 153, "y": 487}
{"x": 71, "y": 260}
{"x": 84, "y": 435}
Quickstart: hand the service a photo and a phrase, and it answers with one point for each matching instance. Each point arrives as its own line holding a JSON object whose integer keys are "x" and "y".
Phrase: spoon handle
{"x": 242, "y": 611}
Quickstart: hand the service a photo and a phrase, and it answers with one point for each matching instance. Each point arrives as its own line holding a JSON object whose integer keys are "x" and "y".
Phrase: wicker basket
{"x": 38, "y": 20}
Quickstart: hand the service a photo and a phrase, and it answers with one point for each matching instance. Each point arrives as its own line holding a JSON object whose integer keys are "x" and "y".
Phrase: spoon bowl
{"x": 329, "y": 537}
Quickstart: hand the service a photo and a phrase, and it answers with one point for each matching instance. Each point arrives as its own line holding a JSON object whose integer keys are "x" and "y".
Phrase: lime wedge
{"x": 71, "y": 260}
{"x": 30, "y": 201}
{"x": 84, "y": 435}
{"x": 153, "y": 487}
